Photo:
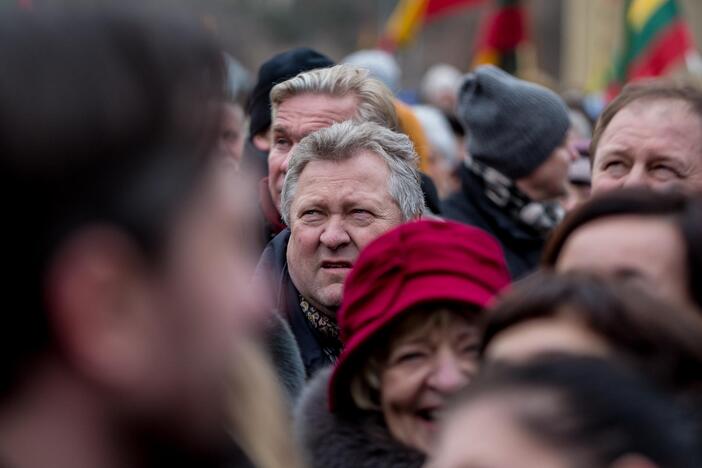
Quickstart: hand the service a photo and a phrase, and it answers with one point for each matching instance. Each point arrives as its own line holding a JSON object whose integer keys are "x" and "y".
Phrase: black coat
{"x": 521, "y": 243}
{"x": 286, "y": 304}
{"x": 332, "y": 441}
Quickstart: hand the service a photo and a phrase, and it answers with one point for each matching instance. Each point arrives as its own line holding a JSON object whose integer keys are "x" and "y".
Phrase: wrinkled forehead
{"x": 355, "y": 166}
{"x": 662, "y": 105}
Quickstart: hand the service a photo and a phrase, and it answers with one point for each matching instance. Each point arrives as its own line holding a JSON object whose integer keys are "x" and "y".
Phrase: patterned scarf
{"x": 326, "y": 327}
{"x": 500, "y": 190}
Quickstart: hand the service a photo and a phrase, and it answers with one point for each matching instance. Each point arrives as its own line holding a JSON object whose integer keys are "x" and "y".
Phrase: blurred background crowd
{"x": 351, "y": 234}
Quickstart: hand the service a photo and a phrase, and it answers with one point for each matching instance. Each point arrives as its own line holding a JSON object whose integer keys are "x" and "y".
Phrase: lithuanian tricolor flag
{"x": 409, "y": 16}
{"x": 656, "y": 38}
{"x": 503, "y": 31}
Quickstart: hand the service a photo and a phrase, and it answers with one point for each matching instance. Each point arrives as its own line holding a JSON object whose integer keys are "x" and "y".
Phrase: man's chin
{"x": 329, "y": 300}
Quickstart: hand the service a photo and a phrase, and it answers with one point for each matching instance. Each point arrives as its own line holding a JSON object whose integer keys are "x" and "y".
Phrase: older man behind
{"x": 650, "y": 135}
{"x": 345, "y": 186}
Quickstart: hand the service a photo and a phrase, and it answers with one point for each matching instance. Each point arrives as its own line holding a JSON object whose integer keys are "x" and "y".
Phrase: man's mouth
{"x": 336, "y": 265}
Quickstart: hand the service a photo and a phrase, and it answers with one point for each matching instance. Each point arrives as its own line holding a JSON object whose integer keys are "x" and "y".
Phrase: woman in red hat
{"x": 410, "y": 324}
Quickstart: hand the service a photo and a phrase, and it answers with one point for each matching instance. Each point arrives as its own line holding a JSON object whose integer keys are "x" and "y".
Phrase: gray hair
{"x": 376, "y": 102}
{"x": 343, "y": 141}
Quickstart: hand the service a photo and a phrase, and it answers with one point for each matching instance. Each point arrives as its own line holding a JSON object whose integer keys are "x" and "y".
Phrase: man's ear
{"x": 633, "y": 461}
{"x": 98, "y": 304}
{"x": 262, "y": 141}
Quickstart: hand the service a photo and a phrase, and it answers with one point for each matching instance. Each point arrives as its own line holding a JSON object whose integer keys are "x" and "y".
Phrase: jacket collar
{"x": 505, "y": 221}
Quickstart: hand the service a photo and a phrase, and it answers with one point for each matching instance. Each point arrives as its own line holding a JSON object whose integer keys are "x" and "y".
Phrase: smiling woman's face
{"x": 431, "y": 357}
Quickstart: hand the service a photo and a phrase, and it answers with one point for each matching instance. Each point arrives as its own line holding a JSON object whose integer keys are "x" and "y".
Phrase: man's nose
{"x": 635, "y": 178}
{"x": 334, "y": 234}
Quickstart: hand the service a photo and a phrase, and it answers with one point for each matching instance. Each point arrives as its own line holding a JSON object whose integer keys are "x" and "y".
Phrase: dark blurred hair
{"x": 648, "y": 90}
{"x": 104, "y": 118}
{"x": 591, "y": 411}
{"x": 655, "y": 337}
{"x": 684, "y": 212}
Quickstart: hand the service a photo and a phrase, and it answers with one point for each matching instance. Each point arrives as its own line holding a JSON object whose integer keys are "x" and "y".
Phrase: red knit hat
{"x": 416, "y": 263}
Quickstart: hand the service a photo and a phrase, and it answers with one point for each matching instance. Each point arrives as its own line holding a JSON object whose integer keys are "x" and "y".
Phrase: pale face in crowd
{"x": 550, "y": 180}
{"x": 424, "y": 368}
{"x": 338, "y": 209}
{"x": 647, "y": 250}
{"x": 563, "y": 332}
{"x": 652, "y": 143}
{"x": 231, "y": 137}
{"x": 485, "y": 434}
{"x": 297, "y": 117}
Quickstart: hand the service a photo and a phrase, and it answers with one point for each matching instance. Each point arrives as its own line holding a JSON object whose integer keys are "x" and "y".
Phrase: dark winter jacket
{"x": 286, "y": 303}
{"x": 521, "y": 243}
{"x": 333, "y": 441}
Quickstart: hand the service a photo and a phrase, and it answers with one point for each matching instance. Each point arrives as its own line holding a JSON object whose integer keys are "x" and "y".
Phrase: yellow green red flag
{"x": 656, "y": 38}
{"x": 410, "y": 15}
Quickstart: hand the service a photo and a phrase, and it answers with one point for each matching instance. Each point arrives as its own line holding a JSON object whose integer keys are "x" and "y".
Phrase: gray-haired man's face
{"x": 296, "y": 118}
{"x": 338, "y": 209}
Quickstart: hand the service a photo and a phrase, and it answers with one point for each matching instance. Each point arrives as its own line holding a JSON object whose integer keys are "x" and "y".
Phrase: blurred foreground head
{"x": 614, "y": 234}
{"x": 124, "y": 246}
{"x": 581, "y": 314}
{"x": 565, "y": 413}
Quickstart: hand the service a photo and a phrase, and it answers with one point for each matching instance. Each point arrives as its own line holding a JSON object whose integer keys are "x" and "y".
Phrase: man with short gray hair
{"x": 345, "y": 186}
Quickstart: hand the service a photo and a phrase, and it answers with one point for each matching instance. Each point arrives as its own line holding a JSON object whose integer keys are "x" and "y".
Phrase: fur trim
{"x": 286, "y": 358}
{"x": 333, "y": 441}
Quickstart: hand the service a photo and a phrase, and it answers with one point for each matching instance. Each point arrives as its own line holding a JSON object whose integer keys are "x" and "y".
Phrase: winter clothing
{"x": 514, "y": 125}
{"x": 312, "y": 345}
{"x": 416, "y": 263}
{"x": 431, "y": 195}
{"x": 502, "y": 210}
{"x": 285, "y": 357}
{"x": 334, "y": 441}
{"x": 280, "y": 68}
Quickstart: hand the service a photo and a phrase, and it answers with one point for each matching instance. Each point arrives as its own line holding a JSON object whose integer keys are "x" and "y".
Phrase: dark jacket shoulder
{"x": 285, "y": 301}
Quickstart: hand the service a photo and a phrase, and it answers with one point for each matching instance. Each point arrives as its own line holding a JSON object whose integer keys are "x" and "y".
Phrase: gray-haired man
{"x": 345, "y": 186}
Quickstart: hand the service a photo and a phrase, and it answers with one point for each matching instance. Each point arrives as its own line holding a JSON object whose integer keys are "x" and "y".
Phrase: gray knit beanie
{"x": 513, "y": 125}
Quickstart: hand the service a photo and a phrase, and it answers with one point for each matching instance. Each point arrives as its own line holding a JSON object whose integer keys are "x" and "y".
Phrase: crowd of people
{"x": 309, "y": 272}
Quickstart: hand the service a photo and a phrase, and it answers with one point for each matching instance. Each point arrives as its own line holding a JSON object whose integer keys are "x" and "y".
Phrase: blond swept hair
{"x": 376, "y": 102}
{"x": 259, "y": 419}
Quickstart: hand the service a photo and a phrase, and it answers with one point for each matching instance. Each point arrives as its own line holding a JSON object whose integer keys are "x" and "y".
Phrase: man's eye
{"x": 311, "y": 213}
{"x": 281, "y": 142}
{"x": 615, "y": 167}
{"x": 662, "y": 171}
